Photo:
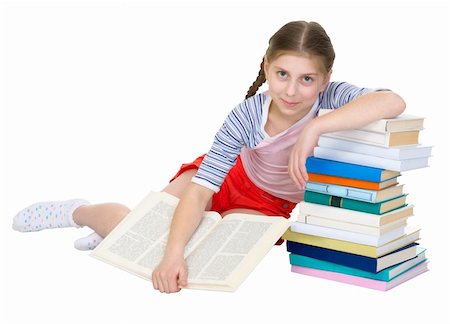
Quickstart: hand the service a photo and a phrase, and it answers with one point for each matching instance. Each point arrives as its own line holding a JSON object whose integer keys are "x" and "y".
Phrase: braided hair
{"x": 298, "y": 37}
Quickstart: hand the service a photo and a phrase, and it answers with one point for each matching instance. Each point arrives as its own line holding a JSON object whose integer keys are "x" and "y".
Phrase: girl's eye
{"x": 307, "y": 79}
{"x": 282, "y": 74}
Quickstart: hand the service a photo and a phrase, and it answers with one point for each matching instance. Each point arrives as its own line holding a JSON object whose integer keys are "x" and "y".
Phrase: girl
{"x": 257, "y": 161}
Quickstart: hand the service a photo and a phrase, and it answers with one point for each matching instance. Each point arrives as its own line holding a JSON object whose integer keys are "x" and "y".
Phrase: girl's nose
{"x": 291, "y": 88}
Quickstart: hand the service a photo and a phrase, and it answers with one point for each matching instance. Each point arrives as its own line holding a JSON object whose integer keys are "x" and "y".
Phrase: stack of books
{"x": 352, "y": 226}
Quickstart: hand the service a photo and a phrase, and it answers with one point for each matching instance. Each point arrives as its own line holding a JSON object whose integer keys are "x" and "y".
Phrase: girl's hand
{"x": 170, "y": 274}
{"x": 300, "y": 151}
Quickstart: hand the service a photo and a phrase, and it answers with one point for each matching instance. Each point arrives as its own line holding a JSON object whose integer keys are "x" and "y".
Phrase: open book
{"x": 220, "y": 254}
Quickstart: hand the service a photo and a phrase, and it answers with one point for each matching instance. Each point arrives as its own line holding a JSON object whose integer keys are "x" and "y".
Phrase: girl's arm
{"x": 356, "y": 113}
{"x": 172, "y": 271}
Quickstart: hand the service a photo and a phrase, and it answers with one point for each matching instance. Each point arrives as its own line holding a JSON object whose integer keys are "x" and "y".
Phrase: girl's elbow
{"x": 399, "y": 105}
{"x": 395, "y": 105}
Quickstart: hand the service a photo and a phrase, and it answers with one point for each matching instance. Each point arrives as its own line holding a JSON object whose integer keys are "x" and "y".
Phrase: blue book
{"x": 371, "y": 196}
{"x": 348, "y": 170}
{"x": 384, "y": 275}
{"x": 356, "y": 261}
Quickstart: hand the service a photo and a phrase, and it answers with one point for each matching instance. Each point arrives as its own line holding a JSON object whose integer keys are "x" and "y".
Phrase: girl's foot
{"x": 89, "y": 242}
{"x": 45, "y": 215}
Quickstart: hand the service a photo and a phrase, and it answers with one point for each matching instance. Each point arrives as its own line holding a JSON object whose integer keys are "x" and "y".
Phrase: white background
{"x": 103, "y": 100}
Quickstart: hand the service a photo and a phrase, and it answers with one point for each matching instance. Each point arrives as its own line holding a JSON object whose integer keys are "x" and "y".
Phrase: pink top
{"x": 267, "y": 163}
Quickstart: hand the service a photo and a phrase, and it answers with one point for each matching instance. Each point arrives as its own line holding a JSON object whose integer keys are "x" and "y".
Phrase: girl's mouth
{"x": 289, "y": 103}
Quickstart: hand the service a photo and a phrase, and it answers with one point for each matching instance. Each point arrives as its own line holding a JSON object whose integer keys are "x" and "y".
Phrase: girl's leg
{"x": 102, "y": 218}
{"x": 71, "y": 213}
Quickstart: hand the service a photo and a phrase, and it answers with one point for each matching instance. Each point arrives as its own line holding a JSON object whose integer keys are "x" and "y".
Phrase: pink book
{"x": 363, "y": 282}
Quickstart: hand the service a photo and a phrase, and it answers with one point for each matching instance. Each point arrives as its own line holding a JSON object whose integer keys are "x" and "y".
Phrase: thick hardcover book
{"x": 384, "y": 275}
{"x": 411, "y": 235}
{"x": 401, "y": 123}
{"x": 353, "y": 216}
{"x": 363, "y": 282}
{"x": 370, "y": 185}
{"x": 337, "y": 234}
{"x": 379, "y": 139}
{"x": 370, "y": 160}
{"x": 354, "y": 260}
{"x": 220, "y": 255}
{"x": 394, "y": 153}
{"x": 348, "y": 170}
{"x": 351, "y": 227}
{"x": 371, "y": 196}
{"x": 372, "y": 208}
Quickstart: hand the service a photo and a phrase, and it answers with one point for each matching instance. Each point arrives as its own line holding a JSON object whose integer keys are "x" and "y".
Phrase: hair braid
{"x": 258, "y": 82}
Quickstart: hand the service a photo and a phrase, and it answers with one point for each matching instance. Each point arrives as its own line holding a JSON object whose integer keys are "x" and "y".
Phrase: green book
{"x": 383, "y": 275}
{"x": 367, "y": 207}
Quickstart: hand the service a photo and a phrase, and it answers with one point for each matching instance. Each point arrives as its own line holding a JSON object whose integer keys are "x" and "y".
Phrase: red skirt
{"x": 238, "y": 191}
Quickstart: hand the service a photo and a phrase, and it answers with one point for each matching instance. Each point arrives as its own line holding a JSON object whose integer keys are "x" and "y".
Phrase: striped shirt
{"x": 243, "y": 133}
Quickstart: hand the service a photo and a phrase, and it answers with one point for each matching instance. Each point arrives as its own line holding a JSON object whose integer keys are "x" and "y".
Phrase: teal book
{"x": 372, "y": 196}
{"x": 384, "y": 275}
{"x": 352, "y": 204}
{"x": 348, "y": 170}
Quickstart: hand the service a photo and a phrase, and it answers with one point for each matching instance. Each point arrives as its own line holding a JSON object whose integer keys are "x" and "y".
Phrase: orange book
{"x": 352, "y": 182}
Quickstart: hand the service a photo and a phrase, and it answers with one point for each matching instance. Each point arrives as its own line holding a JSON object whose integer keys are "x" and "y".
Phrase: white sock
{"x": 89, "y": 242}
{"x": 44, "y": 215}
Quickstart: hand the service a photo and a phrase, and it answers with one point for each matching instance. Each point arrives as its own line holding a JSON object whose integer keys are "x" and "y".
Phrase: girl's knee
{"x": 117, "y": 211}
{"x": 114, "y": 214}
{"x": 122, "y": 210}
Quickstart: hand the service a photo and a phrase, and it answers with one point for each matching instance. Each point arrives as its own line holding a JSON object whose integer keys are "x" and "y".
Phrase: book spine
{"x": 328, "y": 200}
{"x": 304, "y": 261}
{"x": 357, "y": 158}
{"x": 340, "y": 277}
{"x": 350, "y": 146}
{"x": 350, "y": 226}
{"x": 338, "y": 257}
{"x": 362, "y": 136}
{"x": 342, "y": 191}
{"x": 363, "y": 282}
{"x": 362, "y": 184}
{"x": 345, "y": 246}
{"x": 339, "y": 214}
{"x": 341, "y": 169}
{"x": 348, "y": 236}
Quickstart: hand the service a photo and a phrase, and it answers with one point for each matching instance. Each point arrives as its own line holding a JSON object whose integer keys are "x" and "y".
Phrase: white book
{"x": 403, "y": 122}
{"x": 380, "y": 139}
{"x": 370, "y": 161}
{"x": 408, "y": 264}
{"x": 395, "y": 153}
{"x": 353, "y": 216}
{"x": 412, "y": 234}
{"x": 342, "y": 235}
{"x": 220, "y": 254}
{"x": 351, "y": 227}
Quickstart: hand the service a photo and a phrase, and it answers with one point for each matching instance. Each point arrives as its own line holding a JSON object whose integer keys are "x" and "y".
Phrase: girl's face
{"x": 294, "y": 84}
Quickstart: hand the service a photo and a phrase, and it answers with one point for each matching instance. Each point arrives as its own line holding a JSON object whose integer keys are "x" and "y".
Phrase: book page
{"x": 137, "y": 244}
{"x": 230, "y": 245}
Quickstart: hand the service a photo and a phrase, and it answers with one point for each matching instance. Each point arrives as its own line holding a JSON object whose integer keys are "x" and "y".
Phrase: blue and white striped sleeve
{"x": 337, "y": 94}
{"x": 239, "y": 129}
